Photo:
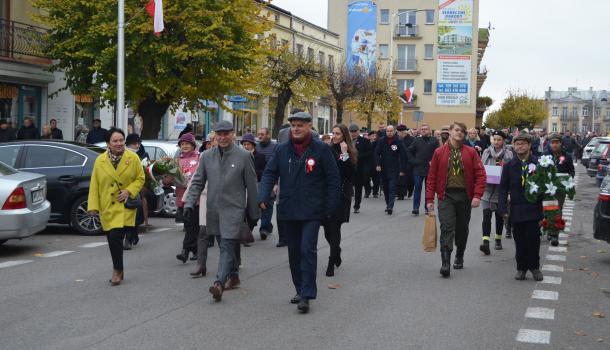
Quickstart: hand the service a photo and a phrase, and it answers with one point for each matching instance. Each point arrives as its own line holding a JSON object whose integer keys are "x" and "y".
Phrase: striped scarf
{"x": 456, "y": 161}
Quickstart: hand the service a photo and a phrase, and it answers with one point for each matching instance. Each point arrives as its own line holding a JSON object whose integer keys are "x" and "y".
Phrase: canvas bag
{"x": 429, "y": 238}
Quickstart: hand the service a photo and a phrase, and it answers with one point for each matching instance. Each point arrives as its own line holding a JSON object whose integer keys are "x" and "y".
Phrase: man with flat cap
{"x": 309, "y": 193}
{"x": 229, "y": 173}
{"x": 363, "y": 168}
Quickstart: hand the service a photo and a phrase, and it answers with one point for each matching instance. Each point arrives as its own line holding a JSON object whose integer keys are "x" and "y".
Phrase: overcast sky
{"x": 535, "y": 43}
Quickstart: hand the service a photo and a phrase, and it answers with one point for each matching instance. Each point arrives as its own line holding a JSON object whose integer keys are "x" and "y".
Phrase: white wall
{"x": 60, "y": 107}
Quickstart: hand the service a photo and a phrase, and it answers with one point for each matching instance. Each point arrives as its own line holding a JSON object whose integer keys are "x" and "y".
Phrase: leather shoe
{"x": 232, "y": 283}
{"x": 498, "y": 245}
{"x": 295, "y": 299}
{"x": 281, "y": 244}
{"x": 216, "y": 291}
{"x": 303, "y": 306}
{"x": 356, "y": 210}
{"x": 484, "y": 247}
{"x": 537, "y": 275}
{"x": 183, "y": 256}
{"x": 520, "y": 275}
{"x": 330, "y": 270}
{"x": 389, "y": 211}
{"x": 415, "y": 212}
{"x": 117, "y": 277}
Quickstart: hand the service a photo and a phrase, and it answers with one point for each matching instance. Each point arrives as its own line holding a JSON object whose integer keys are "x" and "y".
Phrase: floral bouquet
{"x": 156, "y": 170}
{"x": 544, "y": 181}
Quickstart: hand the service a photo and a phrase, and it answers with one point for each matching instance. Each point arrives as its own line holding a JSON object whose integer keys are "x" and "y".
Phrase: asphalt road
{"x": 54, "y": 293}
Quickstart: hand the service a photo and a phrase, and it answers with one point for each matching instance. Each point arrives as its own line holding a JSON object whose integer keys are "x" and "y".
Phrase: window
{"x": 608, "y": 113}
{"x": 555, "y": 111}
{"x": 554, "y": 127}
{"x": 429, "y": 51}
{"x": 44, "y": 157}
{"x": 406, "y": 58}
{"x": 564, "y": 112}
{"x": 585, "y": 111}
{"x": 321, "y": 58}
{"x": 385, "y": 16}
{"x": 427, "y": 86}
{"x": 598, "y": 111}
{"x": 403, "y": 84}
{"x": 407, "y": 16}
{"x": 429, "y": 16}
{"x": 74, "y": 159}
{"x": 277, "y": 18}
{"x": 8, "y": 155}
{"x": 383, "y": 50}
{"x": 310, "y": 53}
{"x": 574, "y": 111}
{"x": 300, "y": 50}
{"x": 331, "y": 62}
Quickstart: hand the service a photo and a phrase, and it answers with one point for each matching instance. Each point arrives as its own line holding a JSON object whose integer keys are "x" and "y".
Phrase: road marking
{"x": 558, "y": 249}
{"x": 163, "y": 229}
{"x": 534, "y": 336}
{"x": 541, "y": 313}
{"x": 54, "y": 254}
{"x": 556, "y": 257}
{"x": 93, "y": 245}
{"x": 14, "y": 263}
{"x": 552, "y": 268}
{"x": 545, "y": 295}
{"x": 563, "y": 242}
{"x": 551, "y": 280}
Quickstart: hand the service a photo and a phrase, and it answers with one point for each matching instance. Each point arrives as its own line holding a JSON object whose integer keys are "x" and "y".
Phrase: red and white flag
{"x": 155, "y": 10}
{"x": 409, "y": 94}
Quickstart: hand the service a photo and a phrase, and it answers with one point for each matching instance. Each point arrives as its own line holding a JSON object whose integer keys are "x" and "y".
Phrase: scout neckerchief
{"x": 456, "y": 161}
{"x": 524, "y": 172}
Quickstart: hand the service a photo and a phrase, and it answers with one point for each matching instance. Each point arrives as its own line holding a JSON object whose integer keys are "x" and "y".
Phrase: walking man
{"x": 372, "y": 182}
{"x": 457, "y": 177}
{"x": 391, "y": 163}
{"x": 309, "y": 193}
{"x": 525, "y": 216}
{"x": 363, "y": 168}
{"x": 420, "y": 153}
{"x": 266, "y": 147}
{"x": 229, "y": 173}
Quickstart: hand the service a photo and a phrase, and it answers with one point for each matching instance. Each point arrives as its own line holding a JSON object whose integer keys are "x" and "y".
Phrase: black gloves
{"x": 187, "y": 214}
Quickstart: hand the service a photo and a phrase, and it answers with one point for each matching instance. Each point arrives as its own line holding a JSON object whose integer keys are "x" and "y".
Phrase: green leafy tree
{"x": 379, "y": 100}
{"x": 518, "y": 110}
{"x": 208, "y": 50}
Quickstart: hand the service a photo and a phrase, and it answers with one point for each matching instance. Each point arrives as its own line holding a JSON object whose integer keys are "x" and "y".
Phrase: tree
{"x": 205, "y": 55}
{"x": 345, "y": 85}
{"x": 285, "y": 74}
{"x": 378, "y": 96}
{"x": 518, "y": 110}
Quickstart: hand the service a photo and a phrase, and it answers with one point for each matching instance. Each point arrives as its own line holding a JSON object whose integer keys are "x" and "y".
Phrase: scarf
{"x": 456, "y": 160}
{"x": 115, "y": 160}
{"x": 497, "y": 156}
{"x": 524, "y": 171}
{"x": 389, "y": 140}
{"x": 300, "y": 146}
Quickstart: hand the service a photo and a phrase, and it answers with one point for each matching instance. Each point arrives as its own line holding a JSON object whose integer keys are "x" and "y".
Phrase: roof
{"x": 573, "y": 94}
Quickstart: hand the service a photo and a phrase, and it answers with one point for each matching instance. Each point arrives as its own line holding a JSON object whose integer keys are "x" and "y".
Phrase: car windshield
{"x": 599, "y": 149}
{"x": 6, "y": 170}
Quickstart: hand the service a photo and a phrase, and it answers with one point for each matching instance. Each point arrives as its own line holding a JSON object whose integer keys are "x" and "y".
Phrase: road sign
{"x": 418, "y": 116}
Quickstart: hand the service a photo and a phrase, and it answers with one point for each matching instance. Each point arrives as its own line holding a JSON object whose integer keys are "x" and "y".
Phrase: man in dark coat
{"x": 391, "y": 163}
{"x": 420, "y": 155}
{"x": 569, "y": 144}
{"x": 309, "y": 193}
{"x": 6, "y": 134}
{"x": 525, "y": 216}
{"x": 28, "y": 131}
{"x": 97, "y": 133}
{"x": 363, "y": 168}
{"x": 248, "y": 142}
{"x": 266, "y": 146}
{"x": 405, "y": 183}
{"x": 372, "y": 183}
{"x": 56, "y": 133}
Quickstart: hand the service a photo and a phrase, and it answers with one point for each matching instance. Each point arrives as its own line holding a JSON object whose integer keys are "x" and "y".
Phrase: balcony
{"x": 21, "y": 41}
{"x": 406, "y": 31}
{"x": 406, "y": 66}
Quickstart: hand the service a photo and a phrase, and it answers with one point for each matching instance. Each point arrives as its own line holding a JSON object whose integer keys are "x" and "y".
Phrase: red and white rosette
{"x": 309, "y": 164}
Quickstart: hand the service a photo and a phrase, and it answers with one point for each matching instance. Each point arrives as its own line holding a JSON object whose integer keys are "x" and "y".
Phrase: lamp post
{"x": 121, "y": 122}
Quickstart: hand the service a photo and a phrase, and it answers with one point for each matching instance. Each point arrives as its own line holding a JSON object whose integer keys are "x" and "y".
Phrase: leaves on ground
{"x": 599, "y": 314}
{"x": 602, "y": 251}
{"x": 334, "y": 286}
{"x": 580, "y": 333}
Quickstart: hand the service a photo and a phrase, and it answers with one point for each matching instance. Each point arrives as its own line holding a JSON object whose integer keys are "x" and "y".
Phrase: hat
{"x": 445, "y": 129}
{"x": 132, "y": 138}
{"x": 401, "y": 127}
{"x": 499, "y": 133}
{"x": 303, "y": 116}
{"x": 248, "y": 138}
{"x": 188, "y": 137}
{"x": 555, "y": 136}
{"x": 223, "y": 125}
{"x": 353, "y": 128}
{"x": 523, "y": 137}
{"x": 97, "y": 120}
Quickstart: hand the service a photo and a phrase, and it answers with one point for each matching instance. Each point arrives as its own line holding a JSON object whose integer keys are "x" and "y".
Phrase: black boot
{"x": 484, "y": 247}
{"x": 498, "y": 244}
{"x": 458, "y": 264}
{"x": 183, "y": 256}
{"x": 330, "y": 270}
{"x": 446, "y": 267}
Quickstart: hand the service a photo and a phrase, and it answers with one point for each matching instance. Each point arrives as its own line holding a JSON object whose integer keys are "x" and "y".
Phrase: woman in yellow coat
{"x": 117, "y": 175}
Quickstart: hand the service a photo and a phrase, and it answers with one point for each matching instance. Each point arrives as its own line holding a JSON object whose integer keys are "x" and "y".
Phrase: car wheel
{"x": 80, "y": 219}
{"x": 169, "y": 204}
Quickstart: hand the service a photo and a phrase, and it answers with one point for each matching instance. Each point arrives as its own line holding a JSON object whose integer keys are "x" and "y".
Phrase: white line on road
{"x": 14, "y": 263}
{"x": 93, "y": 245}
{"x": 541, "y": 313}
{"x": 556, "y": 257}
{"x": 545, "y": 295}
{"x": 54, "y": 254}
{"x": 563, "y": 242}
{"x": 558, "y": 249}
{"x": 552, "y": 268}
{"x": 534, "y": 336}
{"x": 157, "y": 230}
{"x": 551, "y": 280}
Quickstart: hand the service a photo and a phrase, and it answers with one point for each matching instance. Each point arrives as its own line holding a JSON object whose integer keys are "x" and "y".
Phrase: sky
{"x": 534, "y": 44}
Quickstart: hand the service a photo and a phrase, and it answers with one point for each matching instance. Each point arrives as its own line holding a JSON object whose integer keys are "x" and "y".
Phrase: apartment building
{"x": 578, "y": 110}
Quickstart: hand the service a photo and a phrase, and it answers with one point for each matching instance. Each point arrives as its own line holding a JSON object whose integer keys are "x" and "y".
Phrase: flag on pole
{"x": 155, "y": 10}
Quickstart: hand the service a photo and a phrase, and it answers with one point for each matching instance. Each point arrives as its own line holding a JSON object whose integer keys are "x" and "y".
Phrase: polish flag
{"x": 155, "y": 10}
{"x": 409, "y": 94}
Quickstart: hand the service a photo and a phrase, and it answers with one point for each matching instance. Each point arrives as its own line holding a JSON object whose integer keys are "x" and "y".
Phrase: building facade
{"x": 426, "y": 46}
{"x": 578, "y": 110}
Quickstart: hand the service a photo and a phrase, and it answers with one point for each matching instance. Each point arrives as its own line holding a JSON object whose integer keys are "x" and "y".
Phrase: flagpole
{"x": 120, "y": 100}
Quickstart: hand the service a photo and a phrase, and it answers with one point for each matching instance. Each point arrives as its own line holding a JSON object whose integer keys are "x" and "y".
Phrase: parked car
{"x": 598, "y": 158}
{"x": 68, "y": 167}
{"x": 25, "y": 210}
{"x": 601, "y": 216}
{"x": 586, "y": 152}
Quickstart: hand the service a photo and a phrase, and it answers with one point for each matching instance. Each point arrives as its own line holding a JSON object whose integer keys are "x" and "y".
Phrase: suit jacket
{"x": 521, "y": 210}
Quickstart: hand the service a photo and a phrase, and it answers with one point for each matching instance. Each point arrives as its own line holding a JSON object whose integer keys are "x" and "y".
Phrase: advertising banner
{"x": 362, "y": 36}
{"x": 454, "y": 60}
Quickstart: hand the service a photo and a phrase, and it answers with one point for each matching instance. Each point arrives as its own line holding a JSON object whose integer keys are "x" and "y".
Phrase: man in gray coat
{"x": 229, "y": 172}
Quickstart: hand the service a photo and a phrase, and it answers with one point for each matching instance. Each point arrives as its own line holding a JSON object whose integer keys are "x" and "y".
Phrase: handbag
{"x": 132, "y": 203}
{"x": 429, "y": 237}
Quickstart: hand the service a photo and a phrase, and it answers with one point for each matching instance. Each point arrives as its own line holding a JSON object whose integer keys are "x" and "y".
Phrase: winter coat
{"x": 474, "y": 173}
{"x": 392, "y": 158}
{"x": 231, "y": 182}
{"x": 106, "y": 181}
{"x": 259, "y": 165}
{"x": 96, "y": 135}
{"x": 7, "y": 135}
{"x": 365, "y": 155}
{"x": 347, "y": 170}
{"x": 266, "y": 149}
{"x": 57, "y": 134}
{"x": 492, "y": 191}
{"x": 303, "y": 195}
{"x": 521, "y": 210}
{"x": 420, "y": 153}
{"x": 28, "y": 133}
{"x": 189, "y": 163}
{"x": 566, "y": 165}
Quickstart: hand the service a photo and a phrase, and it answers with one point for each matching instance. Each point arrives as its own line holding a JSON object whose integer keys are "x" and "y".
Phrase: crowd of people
{"x": 313, "y": 183}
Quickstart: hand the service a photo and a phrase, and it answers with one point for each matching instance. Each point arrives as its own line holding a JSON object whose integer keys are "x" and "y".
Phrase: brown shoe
{"x": 216, "y": 291}
{"x": 232, "y": 283}
{"x": 117, "y": 277}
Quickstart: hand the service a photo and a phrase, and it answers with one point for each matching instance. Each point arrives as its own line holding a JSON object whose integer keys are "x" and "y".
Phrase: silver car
{"x": 25, "y": 210}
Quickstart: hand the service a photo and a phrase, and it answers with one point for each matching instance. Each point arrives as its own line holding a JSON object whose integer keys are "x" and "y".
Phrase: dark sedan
{"x": 599, "y": 158}
{"x": 601, "y": 222}
{"x": 68, "y": 167}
